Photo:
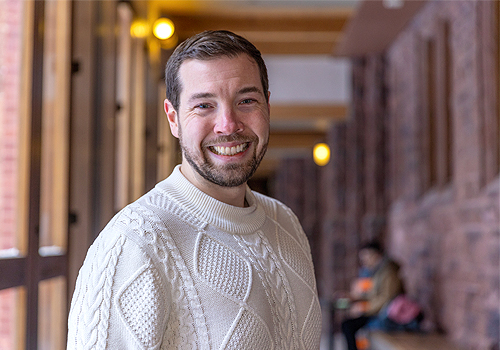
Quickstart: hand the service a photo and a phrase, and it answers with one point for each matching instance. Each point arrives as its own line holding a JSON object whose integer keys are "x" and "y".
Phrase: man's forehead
{"x": 190, "y": 67}
{"x": 242, "y": 58}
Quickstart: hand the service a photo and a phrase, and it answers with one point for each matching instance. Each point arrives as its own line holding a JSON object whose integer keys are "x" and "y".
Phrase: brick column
{"x": 355, "y": 157}
{"x": 333, "y": 224}
{"x": 11, "y": 14}
{"x": 374, "y": 150}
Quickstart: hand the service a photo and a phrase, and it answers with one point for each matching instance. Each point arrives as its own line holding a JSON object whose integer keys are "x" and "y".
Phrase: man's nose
{"x": 227, "y": 122}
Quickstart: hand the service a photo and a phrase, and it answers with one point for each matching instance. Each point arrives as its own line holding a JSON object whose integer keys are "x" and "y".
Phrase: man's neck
{"x": 234, "y": 196}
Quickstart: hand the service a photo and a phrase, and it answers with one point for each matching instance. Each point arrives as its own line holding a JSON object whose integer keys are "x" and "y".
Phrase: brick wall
{"x": 11, "y": 12}
{"x": 10, "y": 68}
{"x": 446, "y": 234}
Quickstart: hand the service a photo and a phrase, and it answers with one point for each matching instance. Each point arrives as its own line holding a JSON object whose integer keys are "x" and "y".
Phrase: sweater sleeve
{"x": 119, "y": 301}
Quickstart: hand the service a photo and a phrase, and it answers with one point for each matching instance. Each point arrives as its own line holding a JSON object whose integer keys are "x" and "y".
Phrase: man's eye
{"x": 247, "y": 100}
{"x": 203, "y": 106}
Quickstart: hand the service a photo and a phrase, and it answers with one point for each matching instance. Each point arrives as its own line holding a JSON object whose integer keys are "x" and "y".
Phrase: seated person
{"x": 361, "y": 288}
{"x": 385, "y": 285}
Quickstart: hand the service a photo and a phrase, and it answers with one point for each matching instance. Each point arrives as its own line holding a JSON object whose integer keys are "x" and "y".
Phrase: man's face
{"x": 222, "y": 121}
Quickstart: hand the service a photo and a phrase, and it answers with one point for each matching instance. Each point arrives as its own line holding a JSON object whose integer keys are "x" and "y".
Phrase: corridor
{"x": 404, "y": 94}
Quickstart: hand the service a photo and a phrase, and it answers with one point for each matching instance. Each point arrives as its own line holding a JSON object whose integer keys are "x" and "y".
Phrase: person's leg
{"x": 349, "y": 327}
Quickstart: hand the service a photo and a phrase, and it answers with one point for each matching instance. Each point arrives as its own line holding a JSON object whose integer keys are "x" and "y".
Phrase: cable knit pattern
{"x": 187, "y": 321}
{"x": 277, "y": 291}
{"x": 301, "y": 237}
{"x": 294, "y": 256}
{"x": 138, "y": 302}
{"x": 93, "y": 322}
{"x": 178, "y": 269}
{"x": 249, "y": 330}
{"x": 311, "y": 332}
{"x": 223, "y": 268}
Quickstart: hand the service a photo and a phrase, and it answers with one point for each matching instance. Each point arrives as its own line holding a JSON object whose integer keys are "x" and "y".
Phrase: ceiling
{"x": 275, "y": 27}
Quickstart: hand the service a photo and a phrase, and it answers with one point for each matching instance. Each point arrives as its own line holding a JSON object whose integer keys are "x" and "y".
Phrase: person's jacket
{"x": 386, "y": 286}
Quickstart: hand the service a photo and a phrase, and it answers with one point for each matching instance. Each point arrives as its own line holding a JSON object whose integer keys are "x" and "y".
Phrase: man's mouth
{"x": 229, "y": 151}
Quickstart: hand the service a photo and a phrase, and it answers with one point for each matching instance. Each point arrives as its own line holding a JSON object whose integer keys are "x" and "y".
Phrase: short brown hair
{"x": 206, "y": 46}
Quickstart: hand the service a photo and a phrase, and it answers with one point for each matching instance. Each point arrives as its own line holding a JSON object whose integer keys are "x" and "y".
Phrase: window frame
{"x": 30, "y": 269}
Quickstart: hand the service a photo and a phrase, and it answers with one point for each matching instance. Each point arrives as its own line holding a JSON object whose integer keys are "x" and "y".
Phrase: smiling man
{"x": 201, "y": 261}
{"x": 222, "y": 122}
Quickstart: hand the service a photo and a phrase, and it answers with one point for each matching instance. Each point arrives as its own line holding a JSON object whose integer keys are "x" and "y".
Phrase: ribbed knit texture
{"x": 178, "y": 269}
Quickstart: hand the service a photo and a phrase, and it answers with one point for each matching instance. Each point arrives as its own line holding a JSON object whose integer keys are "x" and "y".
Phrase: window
{"x": 444, "y": 127}
{"x": 489, "y": 85}
{"x": 33, "y": 191}
{"x": 428, "y": 123}
{"x": 437, "y": 126}
{"x": 431, "y": 136}
{"x": 12, "y": 207}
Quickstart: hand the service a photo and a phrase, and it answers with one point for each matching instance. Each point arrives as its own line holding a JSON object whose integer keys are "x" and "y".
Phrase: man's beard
{"x": 228, "y": 175}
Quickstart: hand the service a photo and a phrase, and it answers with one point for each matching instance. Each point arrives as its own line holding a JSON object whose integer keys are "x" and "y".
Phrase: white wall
{"x": 309, "y": 79}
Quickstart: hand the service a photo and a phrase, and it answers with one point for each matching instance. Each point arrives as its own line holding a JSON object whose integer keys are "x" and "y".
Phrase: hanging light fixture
{"x": 163, "y": 28}
{"x": 321, "y": 154}
{"x": 139, "y": 28}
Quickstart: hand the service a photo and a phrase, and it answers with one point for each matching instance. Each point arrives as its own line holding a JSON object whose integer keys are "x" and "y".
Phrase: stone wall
{"x": 445, "y": 229}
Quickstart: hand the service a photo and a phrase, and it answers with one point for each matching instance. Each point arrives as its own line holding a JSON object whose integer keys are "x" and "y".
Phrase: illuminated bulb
{"x": 321, "y": 154}
{"x": 139, "y": 29}
{"x": 163, "y": 28}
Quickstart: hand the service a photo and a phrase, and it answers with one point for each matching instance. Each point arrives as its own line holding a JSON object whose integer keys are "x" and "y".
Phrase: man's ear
{"x": 172, "y": 118}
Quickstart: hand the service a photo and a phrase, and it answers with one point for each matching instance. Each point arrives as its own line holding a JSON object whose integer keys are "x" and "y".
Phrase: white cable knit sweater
{"x": 178, "y": 269}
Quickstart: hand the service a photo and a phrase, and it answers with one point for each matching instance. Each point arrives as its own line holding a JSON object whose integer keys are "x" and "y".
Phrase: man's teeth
{"x": 230, "y": 151}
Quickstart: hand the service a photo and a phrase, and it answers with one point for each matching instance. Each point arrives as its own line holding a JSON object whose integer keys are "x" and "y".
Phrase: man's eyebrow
{"x": 201, "y": 95}
{"x": 250, "y": 89}
{"x": 244, "y": 90}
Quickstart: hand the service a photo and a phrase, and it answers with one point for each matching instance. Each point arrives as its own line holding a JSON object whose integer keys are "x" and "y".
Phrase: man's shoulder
{"x": 286, "y": 220}
{"x": 139, "y": 214}
{"x": 278, "y": 211}
{"x": 138, "y": 222}
{"x": 271, "y": 204}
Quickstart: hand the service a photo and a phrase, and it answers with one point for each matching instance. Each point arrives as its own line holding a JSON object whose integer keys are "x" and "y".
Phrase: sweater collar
{"x": 210, "y": 210}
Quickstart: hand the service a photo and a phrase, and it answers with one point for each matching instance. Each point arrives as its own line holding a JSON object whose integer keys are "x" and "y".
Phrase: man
{"x": 385, "y": 286}
{"x": 201, "y": 261}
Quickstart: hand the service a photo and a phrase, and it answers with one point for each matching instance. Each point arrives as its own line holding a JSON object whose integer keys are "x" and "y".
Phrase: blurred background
{"x": 403, "y": 94}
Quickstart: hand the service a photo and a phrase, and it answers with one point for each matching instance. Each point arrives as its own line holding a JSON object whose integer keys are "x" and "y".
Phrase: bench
{"x": 410, "y": 341}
